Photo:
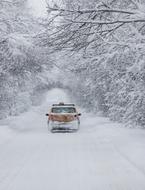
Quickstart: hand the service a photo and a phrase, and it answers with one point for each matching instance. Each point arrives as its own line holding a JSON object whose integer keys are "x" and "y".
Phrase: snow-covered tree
{"x": 105, "y": 45}
{"x": 22, "y": 63}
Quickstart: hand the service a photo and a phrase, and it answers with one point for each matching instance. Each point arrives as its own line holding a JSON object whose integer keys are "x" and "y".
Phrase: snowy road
{"x": 101, "y": 156}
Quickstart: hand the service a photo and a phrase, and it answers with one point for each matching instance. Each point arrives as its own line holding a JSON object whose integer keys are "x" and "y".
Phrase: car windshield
{"x": 63, "y": 110}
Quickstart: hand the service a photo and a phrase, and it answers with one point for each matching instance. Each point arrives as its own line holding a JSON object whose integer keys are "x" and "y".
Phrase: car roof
{"x": 63, "y": 105}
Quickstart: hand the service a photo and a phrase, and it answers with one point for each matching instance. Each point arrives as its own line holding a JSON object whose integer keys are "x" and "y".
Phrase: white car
{"x": 63, "y": 118}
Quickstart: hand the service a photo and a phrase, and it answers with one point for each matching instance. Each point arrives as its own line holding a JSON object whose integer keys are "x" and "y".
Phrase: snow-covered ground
{"x": 101, "y": 156}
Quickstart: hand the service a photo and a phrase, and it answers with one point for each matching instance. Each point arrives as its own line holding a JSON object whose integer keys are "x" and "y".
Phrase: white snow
{"x": 102, "y": 156}
{"x": 38, "y": 7}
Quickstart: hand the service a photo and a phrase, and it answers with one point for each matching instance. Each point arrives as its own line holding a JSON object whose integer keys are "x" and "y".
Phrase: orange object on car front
{"x": 62, "y": 118}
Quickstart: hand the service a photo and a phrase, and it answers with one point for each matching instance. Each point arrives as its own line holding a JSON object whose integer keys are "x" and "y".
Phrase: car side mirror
{"x": 79, "y": 114}
{"x": 47, "y": 114}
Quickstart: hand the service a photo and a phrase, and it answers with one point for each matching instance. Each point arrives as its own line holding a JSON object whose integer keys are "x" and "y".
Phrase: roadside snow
{"x": 102, "y": 155}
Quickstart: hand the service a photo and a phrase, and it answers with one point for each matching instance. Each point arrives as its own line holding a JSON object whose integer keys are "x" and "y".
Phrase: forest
{"x": 98, "y": 47}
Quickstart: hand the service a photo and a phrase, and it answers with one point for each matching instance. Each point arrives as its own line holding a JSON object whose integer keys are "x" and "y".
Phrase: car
{"x": 63, "y": 118}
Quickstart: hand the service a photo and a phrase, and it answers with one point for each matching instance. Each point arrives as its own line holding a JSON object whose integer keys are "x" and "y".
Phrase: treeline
{"x": 24, "y": 67}
{"x": 103, "y": 45}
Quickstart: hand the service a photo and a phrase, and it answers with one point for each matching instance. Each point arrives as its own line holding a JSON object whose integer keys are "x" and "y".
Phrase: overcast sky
{"x": 38, "y": 7}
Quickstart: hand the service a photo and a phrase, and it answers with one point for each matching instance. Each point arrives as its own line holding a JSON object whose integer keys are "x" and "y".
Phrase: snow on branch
{"x": 58, "y": 9}
{"x": 76, "y": 27}
{"x": 108, "y": 22}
